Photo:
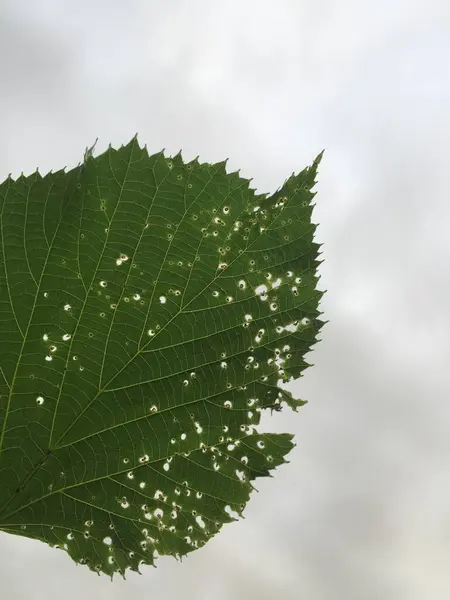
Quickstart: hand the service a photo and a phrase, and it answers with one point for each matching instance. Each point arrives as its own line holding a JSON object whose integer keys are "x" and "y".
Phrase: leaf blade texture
{"x": 148, "y": 310}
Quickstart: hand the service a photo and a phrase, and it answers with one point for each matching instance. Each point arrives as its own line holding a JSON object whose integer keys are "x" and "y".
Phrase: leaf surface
{"x": 148, "y": 310}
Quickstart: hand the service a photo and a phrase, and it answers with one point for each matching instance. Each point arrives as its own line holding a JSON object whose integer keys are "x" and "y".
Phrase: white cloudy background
{"x": 363, "y": 509}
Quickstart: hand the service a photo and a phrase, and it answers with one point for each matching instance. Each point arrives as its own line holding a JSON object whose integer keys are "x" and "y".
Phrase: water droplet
{"x": 162, "y": 299}
{"x": 103, "y": 284}
{"x": 67, "y": 307}
{"x": 39, "y": 400}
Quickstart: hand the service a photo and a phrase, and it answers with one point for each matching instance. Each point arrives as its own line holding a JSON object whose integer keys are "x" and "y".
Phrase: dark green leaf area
{"x": 149, "y": 309}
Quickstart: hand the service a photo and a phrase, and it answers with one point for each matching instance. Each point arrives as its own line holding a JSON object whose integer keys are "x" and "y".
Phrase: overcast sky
{"x": 362, "y": 512}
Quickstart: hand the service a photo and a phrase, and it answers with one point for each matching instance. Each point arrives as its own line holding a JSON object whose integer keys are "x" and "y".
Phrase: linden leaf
{"x": 148, "y": 310}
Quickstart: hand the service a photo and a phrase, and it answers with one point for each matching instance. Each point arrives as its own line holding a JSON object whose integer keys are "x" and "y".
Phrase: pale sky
{"x": 363, "y": 509}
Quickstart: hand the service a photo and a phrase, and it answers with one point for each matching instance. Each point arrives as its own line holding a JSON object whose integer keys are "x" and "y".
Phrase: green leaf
{"x": 148, "y": 310}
